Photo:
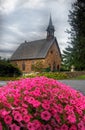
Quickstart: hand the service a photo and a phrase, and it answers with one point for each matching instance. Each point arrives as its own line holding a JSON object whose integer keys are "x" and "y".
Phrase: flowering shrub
{"x": 41, "y": 104}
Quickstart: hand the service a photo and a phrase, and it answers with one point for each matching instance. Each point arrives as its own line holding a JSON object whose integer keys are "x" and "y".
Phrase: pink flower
{"x": 59, "y": 108}
{"x": 26, "y": 118}
{"x": 18, "y": 117}
{"x": 4, "y": 112}
{"x": 36, "y": 124}
{"x": 81, "y": 125}
{"x": 24, "y": 105}
{"x": 72, "y": 118}
{"x": 46, "y": 106}
{"x": 24, "y": 111}
{"x": 57, "y": 117}
{"x": 73, "y": 127}
{"x": 8, "y": 119}
{"x": 16, "y": 102}
{"x": 36, "y": 104}
{"x": 64, "y": 127}
{"x": 14, "y": 127}
{"x": 30, "y": 126}
{"x": 47, "y": 127}
{"x": 31, "y": 100}
{"x": 45, "y": 115}
{"x": 84, "y": 118}
{"x": 68, "y": 109}
{"x": 36, "y": 92}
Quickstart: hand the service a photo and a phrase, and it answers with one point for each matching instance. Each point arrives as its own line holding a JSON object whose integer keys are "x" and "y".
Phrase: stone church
{"x": 45, "y": 51}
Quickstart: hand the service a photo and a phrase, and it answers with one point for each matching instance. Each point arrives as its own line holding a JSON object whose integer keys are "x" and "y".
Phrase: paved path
{"x": 76, "y": 84}
{"x": 2, "y": 83}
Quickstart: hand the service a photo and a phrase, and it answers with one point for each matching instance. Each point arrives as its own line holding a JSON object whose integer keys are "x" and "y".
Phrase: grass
{"x": 82, "y": 77}
{"x": 8, "y": 78}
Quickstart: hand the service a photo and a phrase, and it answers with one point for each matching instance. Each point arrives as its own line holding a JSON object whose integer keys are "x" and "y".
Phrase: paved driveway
{"x": 2, "y": 83}
{"x": 76, "y": 84}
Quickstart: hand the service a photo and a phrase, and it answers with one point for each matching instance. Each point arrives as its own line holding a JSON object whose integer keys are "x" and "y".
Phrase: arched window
{"x": 58, "y": 67}
{"x": 23, "y": 66}
{"x": 51, "y": 52}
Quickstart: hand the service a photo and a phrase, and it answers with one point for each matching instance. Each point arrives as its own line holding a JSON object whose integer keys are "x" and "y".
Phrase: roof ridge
{"x": 34, "y": 40}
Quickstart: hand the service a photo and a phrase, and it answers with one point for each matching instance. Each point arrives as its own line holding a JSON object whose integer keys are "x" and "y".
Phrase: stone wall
{"x": 53, "y": 58}
{"x": 75, "y": 73}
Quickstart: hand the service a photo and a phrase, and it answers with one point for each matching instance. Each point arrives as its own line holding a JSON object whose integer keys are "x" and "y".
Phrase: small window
{"x": 58, "y": 67}
{"x": 51, "y": 52}
{"x": 23, "y": 66}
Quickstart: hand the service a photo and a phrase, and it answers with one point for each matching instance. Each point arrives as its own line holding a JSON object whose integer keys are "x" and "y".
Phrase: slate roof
{"x": 33, "y": 50}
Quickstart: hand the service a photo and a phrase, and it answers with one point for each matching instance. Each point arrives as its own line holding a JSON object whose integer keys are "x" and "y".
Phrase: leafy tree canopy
{"x": 74, "y": 54}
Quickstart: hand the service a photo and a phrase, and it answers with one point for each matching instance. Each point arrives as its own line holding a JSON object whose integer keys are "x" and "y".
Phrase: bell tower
{"x": 50, "y": 29}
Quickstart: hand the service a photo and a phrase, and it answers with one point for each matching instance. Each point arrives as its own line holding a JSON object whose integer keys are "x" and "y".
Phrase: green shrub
{"x": 8, "y": 70}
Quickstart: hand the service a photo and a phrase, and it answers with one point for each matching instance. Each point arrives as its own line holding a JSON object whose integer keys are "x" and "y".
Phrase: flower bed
{"x": 41, "y": 104}
{"x": 53, "y": 75}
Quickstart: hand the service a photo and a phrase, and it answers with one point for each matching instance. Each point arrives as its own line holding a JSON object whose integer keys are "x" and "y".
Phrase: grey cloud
{"x": 31, "y": 23}
{"x": 6, "y": 51}
{"x": 21, "y": 2}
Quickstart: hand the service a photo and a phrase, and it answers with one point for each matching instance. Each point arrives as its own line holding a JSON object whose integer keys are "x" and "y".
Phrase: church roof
{"x": 34, "y": 49}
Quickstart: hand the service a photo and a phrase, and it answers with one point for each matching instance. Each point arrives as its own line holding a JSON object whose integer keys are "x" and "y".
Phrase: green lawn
{"x": 82, "y": 77}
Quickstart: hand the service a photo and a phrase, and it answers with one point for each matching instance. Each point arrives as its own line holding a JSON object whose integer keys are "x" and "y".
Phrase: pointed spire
{"x": 50, "y": 29}
{"x": 50, "y": 21}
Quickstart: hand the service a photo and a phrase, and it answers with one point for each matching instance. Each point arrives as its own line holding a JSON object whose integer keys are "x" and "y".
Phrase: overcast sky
{"x": 22, "y": 20}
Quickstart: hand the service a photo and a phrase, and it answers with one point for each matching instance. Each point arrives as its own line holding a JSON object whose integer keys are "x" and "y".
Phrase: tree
{"x": 74, "y": 54}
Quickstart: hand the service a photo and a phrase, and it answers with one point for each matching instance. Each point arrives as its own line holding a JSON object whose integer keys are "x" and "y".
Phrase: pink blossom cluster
{"x": 41, "y": 104}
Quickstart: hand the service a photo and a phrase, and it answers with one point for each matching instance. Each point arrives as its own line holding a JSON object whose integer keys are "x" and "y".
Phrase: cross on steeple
{"x": 50, "y": 29}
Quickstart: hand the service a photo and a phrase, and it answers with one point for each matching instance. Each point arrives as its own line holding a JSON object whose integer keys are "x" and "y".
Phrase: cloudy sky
{"x": 22, "y": 20}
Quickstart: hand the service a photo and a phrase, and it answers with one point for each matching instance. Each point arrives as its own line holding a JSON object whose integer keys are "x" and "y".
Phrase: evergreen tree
{"x": 74, "y": 54}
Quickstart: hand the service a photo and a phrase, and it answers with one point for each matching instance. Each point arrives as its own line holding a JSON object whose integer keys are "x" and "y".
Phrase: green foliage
{"x": 74, "y": 54}
{"x": 64, "y": 66}
{"x": 54, "y": 75}
{"x": 82, "y": 77}
{"x": 38, "y": 66}
{"x": 7, "y": 69}
{"x": 47, "y": 69}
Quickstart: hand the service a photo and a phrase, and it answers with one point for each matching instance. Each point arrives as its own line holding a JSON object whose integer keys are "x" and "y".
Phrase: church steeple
{"x": 50, "y": 29}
